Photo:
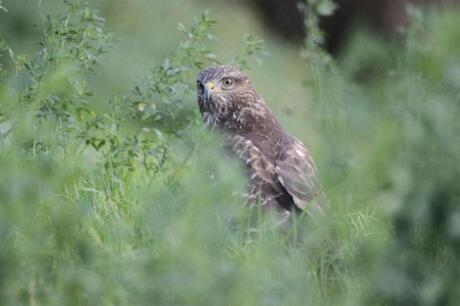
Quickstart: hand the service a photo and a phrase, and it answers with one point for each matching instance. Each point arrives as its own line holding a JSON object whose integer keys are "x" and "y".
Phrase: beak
{"x": 208, "y": 89}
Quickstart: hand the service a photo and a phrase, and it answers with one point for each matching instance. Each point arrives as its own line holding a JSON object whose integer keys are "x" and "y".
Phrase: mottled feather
{"x": 297, "y": 172}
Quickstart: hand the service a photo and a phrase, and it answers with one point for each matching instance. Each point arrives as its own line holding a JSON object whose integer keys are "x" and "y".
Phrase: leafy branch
{"x": 313, "y": 11}
{"x": 253, "y": 48}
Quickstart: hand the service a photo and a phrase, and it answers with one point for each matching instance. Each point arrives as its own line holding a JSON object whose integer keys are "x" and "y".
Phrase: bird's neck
{"x": 256, "y": 120}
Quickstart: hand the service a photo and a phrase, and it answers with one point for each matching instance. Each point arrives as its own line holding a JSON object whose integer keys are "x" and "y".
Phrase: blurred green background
{"x": 106, "y": 196}
{"x": 145, "y": 33}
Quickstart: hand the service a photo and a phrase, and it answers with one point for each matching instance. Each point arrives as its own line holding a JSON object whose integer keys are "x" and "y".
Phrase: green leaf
{"x": 326, "y": 7}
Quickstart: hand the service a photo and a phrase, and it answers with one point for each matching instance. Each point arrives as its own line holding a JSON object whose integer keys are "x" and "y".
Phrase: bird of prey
{"x": 281, "y": 171}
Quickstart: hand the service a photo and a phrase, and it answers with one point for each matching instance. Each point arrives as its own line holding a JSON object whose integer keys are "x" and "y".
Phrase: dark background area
{"x": 384, "y": 17}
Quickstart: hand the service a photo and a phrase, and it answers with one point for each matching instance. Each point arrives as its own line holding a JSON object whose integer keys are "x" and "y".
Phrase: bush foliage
{"x": 112, "y": 202}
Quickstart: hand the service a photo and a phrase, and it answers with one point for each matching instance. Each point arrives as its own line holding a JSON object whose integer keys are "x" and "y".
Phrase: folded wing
{"x": 297, "y": 173}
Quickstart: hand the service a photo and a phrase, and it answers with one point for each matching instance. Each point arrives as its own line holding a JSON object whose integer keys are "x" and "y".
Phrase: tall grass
{"x": 131, "y": 202}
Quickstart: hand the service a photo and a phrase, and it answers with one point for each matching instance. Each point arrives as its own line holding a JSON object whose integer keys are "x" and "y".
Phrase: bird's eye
{"x": 227, "y": 82}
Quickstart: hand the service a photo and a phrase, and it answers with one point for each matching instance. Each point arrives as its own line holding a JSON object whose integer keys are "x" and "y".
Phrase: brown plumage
{"x": 282, "y": 174}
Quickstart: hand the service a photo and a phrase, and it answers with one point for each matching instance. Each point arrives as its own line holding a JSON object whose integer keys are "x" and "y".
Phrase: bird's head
{"x": 221, "y": 89}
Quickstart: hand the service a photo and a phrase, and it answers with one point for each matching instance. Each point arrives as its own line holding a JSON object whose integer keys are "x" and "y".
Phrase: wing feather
{"x": 297, "y": 173}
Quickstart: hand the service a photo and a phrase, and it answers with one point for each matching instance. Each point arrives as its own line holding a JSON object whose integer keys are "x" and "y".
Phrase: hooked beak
{"x": 208, "y": 89}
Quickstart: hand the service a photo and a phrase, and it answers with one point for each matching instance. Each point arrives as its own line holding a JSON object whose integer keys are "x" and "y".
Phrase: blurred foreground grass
{"x": 106, "y": 198}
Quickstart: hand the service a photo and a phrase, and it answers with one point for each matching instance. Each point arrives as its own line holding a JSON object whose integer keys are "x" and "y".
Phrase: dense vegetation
{"x": 111, "y": 201}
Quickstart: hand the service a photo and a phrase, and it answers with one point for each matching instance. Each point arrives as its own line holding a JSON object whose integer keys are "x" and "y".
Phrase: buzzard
{"x": 281, "y": 171}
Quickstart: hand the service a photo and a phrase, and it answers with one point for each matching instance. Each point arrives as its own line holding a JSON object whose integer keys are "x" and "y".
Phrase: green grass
{"x": 106, "y": 196}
